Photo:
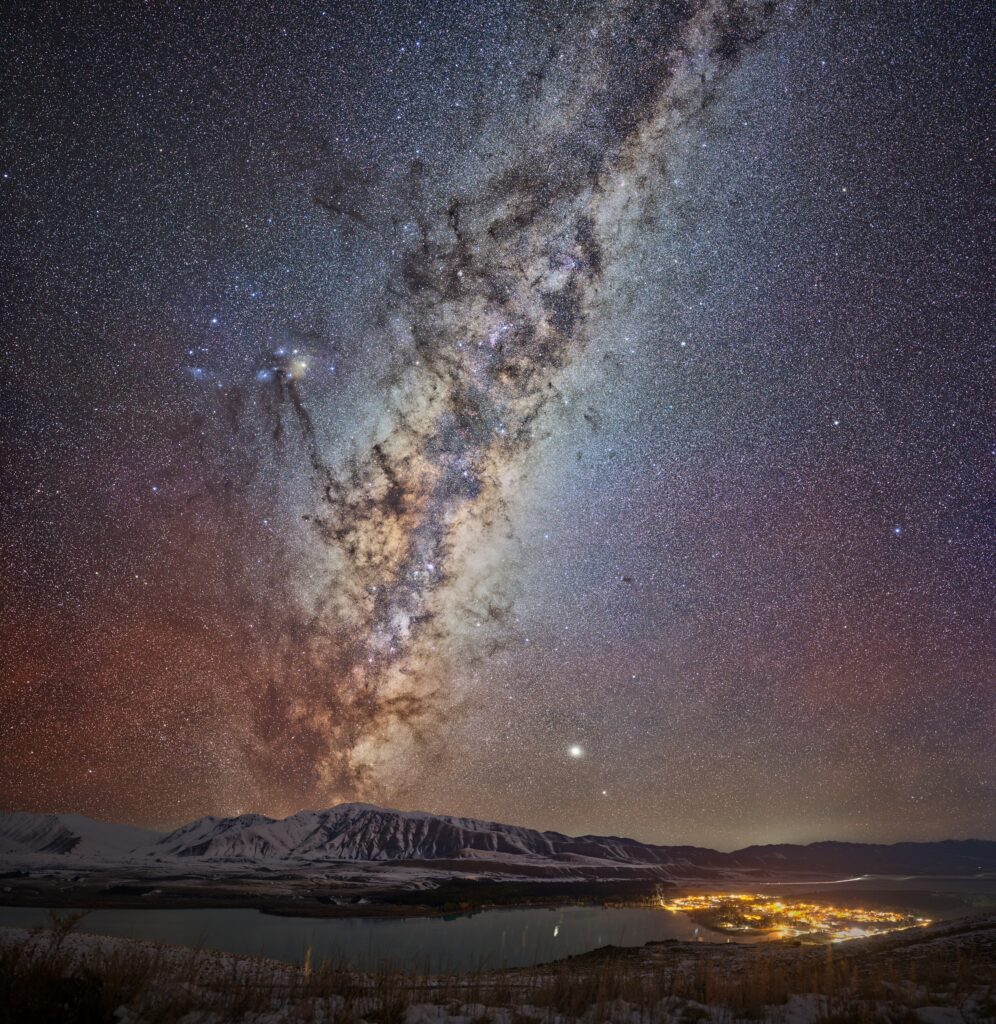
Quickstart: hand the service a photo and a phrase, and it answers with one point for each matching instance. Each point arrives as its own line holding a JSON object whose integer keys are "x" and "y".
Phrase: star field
{"x": 576, "y": 415}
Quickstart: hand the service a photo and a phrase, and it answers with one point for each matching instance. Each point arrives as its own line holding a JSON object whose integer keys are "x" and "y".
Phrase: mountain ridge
{"x": 364, "y": 833}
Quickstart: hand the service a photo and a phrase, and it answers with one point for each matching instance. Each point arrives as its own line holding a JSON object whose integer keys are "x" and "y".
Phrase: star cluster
{"x": 571, "y": 414}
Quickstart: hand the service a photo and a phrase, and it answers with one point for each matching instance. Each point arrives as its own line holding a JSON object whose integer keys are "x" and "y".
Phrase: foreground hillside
{"x": 361, "y": 833}
{"x": 942, "y": 974}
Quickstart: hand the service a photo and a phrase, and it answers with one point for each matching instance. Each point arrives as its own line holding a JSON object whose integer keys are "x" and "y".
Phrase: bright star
{"x": 575, "y": 751}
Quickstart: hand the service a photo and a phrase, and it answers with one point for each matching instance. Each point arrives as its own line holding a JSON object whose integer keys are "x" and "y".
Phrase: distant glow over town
{"x": 786, "y": 919}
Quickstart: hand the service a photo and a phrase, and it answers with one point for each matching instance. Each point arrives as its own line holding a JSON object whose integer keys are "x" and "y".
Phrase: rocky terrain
{"x": 362, "y": 833}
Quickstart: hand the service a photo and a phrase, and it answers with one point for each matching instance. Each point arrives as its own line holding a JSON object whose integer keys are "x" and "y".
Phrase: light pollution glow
{"x": 784, "y": 919}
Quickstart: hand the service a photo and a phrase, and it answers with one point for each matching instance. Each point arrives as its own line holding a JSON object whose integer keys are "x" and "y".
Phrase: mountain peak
{"x": 362, "y": 832}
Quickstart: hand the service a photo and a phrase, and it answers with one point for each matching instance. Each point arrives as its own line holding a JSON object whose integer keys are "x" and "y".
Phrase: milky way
{"x": 496, "y": 297}
{"x": 572, "y": 414}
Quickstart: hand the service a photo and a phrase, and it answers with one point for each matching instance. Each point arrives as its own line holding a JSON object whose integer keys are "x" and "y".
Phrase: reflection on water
{"x": 489, "y": 938}
{"x": 493, "y": 938}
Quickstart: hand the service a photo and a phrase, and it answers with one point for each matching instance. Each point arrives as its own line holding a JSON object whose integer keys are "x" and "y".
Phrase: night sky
{"x": 571, "y": 414}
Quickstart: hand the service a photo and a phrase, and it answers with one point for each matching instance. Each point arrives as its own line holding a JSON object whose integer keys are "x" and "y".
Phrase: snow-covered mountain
{"x": 364, "y": 833}
{"x": 354, "y": 832}
{"x": 23, "y": 833}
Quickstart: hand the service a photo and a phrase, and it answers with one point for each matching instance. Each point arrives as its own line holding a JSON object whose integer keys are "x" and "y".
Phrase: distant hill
{"x": 364, "y": 833}
{"x": 948, "y": 857}
{"x": 23, "y": 833}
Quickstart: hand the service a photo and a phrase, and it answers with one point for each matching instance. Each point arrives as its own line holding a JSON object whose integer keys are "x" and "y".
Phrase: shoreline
{"x": 313, "y": 899}
{"x": 944, "y": 973}
{"x": 307, "y": 898}
{"x": 338, "y": 898}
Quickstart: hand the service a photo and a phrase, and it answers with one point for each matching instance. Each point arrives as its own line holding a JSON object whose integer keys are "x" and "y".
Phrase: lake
{"x": 513, "y": 937}
{"x": 486, "y": 939}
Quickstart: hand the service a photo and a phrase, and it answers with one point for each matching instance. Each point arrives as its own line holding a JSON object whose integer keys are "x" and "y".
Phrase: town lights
{"x": 780, "y": 918}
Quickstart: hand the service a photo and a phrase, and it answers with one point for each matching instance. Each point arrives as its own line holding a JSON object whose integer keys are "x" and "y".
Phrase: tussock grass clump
{"x": 57, "y": 975}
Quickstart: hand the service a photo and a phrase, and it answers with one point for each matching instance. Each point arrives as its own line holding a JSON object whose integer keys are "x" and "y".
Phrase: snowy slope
{"x": 364, "y": 833}
{"x": 21, "y": 832}
{"x": 354, "y": 832}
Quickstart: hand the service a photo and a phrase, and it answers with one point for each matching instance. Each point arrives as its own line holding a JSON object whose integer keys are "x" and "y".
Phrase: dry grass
{"x": 57, "y": 976}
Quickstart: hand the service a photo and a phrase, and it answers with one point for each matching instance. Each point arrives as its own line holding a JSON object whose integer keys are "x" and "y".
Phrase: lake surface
{"x": 515, "y": 937}
{"x": 487, "y": 939}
